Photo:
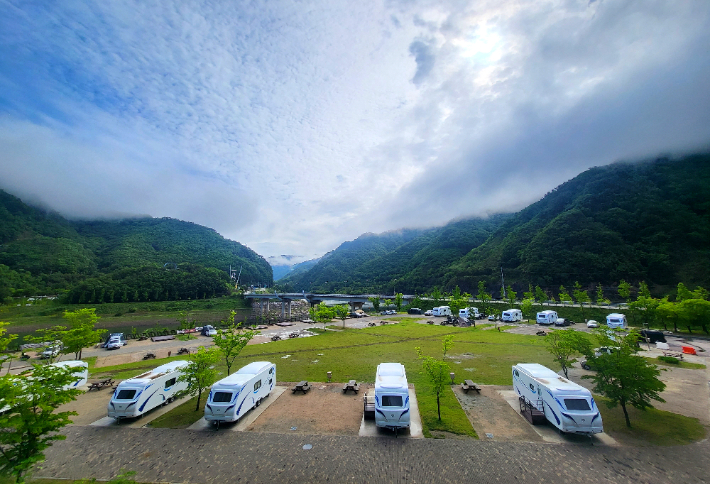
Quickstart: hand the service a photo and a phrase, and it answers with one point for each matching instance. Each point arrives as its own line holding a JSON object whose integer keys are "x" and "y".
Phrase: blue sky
{"x": 293, "y": 126}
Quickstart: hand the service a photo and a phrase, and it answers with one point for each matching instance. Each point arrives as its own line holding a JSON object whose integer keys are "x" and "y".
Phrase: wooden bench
{"x": 302, "y": 386}
{"x": 351, "y": 385}
{"x": 469, "y": 385}
{"x": 109, "y": 382}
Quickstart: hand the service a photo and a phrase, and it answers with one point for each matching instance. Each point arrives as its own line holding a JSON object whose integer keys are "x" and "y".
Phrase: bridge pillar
{"x": 355, "y": 305}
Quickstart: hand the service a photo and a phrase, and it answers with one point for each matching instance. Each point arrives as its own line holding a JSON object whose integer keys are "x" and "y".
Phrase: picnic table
{"x": 469, "y": 385}
{"x": 351, "y": 385}
{"x": 301, "y": 386}
{"x": 183, "y": 351}
{"x": 108, "y": 382}
{"x": 149, "y": 356}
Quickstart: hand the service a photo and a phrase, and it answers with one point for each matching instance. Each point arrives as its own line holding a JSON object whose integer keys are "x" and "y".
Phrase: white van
{"x": 138, "y": 395}
{"x": 547, "y": 317}
{"x": 442, "y": 311}
{"x": 391, "y": 396}
{"x": 512, "y": 315}
{"x": 566, "y": 405}
{"x": 233, "y": 396}
{"x": 469, "y": 313}
{"x": 616, "y": 320}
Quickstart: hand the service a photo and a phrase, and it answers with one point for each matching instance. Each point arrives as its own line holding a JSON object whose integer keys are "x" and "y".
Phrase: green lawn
{"x": 680, "y": 364}
{"x": 483, "y": 356}
{"x": 182, "y": 416}
{"x": 650, "y": 427}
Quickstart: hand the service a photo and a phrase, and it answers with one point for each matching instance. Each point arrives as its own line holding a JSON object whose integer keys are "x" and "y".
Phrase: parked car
{"x": 491, "y": 317}
{"x": 115, "y": 341}
{"x": 592, "y": 324}
{"x": 51, "y": 351}
{"x": 597, "y": 352}
{"x": 208, "y": 330}
{"x": 653, "y": 335}
{"x": 562, "y": 322}
{"x": 428, "y": 312}
{"x": 414, "y": 311}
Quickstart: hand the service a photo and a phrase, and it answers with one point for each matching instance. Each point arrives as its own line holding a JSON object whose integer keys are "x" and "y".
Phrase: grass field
{"x": 680, "y": 364}
{"x": 650, "y": 427}
{"x": 483, "y": 356}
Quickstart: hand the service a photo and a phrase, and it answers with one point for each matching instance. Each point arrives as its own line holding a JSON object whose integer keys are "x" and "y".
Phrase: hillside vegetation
{"x": 643, "y": 221}
{"x": 142, "y": 259}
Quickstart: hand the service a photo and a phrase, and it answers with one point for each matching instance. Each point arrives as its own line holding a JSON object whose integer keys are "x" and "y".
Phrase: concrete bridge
{"x": 354, "y": 301}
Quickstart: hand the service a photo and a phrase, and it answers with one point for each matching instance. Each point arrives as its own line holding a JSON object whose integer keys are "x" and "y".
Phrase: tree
{"x": 527, "y": 307}
{"x": 375, "y": 303}
{"x": 398, "y": 298}
{"x": 231, "y": 341}
{"x": 437, "y": 296}
{"x": 200, "y": 372}
{"x": 600, "y": 299}
{"x": 81, "y": 332}
{"x": 437, "y": 371}
{"x": 694, "y": 312}
{"x": 668, "y": 310}
{"x": 625, "y": 290}
{"x": 563, "y": 344}
{"x": 622, "y": 376}
{"x": 483, "y": 296}
{"x": 31, "y": 423}
{"x": 511, "y": 295}
{"x": 530, "y": 293}
{"x": 540, "y": 295}
{"x": 321, "y": 314}
{"x": 5, "y": 340}
{"x": 564, "y": 295}
{"x": 341, "y": 312}
{"x": 581, "y": 296}
{"x": 458, "y": 301}
{"x": 644, "y": 308}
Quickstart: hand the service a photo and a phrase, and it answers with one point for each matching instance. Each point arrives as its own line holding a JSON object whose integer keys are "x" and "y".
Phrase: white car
{"x": 51, "y": 351}
{"x": 592, "y": 324}
{"x": 428, "y": 312}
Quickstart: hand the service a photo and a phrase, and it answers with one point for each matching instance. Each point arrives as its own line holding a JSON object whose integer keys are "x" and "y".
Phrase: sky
{"x": 293, "y": 126}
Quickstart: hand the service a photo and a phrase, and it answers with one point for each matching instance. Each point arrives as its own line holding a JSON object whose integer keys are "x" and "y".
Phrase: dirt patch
{"x": 306, "y": 414}
{"x": 489, "y": 413}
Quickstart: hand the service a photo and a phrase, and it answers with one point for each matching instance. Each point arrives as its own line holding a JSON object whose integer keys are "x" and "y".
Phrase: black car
{"x": 414, "y": 311}
{"x": 653, "y": 335}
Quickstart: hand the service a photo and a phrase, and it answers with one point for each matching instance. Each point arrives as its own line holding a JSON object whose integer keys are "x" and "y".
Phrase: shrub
{"x": 132, "y": 309}
{"x": 669, "y": 359}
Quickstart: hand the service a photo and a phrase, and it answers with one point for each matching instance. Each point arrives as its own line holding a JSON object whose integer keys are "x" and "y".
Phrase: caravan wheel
{"x": 258, "y": 402}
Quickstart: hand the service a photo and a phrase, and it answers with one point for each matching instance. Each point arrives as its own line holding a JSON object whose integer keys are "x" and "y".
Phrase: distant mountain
{"x": 284, "y": 264}
{"x": 131, "y": 259}
{"x": 642, "y": 221}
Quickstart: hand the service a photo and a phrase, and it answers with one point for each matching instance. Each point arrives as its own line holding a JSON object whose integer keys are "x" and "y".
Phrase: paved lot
{"x": 208, "y": 457}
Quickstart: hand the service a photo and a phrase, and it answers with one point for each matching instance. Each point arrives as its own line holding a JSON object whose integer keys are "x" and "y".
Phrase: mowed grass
{"x": 680, "y": 364}
{"x": 649, "y": 427}
{"x": 182, "y": 416}
{"x": 483, "y": 356}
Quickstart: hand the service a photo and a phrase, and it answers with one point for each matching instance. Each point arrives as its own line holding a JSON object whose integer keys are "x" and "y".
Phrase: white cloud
{"x": 292, "y": 127}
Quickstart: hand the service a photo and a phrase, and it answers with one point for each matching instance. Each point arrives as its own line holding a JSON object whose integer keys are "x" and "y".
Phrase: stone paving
{"x": 164, "y": 455}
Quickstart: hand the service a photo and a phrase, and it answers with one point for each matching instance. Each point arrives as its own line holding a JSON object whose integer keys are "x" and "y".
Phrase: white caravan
{"x": 391, "y": 396}
{"x": 512, "y": 315}
{"x": 233, "y": 396}
{"x": 469, "y": 313}
{"x": 566, "y": 405}
{"x": 616, "y": 320}
{"x": 81, "y": 375}
{"x": 138, "y": 395}
{"x": 442, "y": 311}
{"x": 547, "y": 317}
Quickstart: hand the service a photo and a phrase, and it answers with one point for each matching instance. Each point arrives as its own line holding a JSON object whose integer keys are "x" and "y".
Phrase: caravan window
{"x": 576, "y": 404}
{"x": 257, "y": 385}
{"x": 126, "y": 395}
{"x": 222, "y": 397}
{"x": 391, "y": 400}
{"x": 170, "y": 382}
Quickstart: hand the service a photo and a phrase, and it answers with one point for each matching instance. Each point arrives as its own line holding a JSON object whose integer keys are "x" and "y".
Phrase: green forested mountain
{"x": 411, "y": 260}
{"x": 128, "y": 260}
{"x": 643, "y": 221}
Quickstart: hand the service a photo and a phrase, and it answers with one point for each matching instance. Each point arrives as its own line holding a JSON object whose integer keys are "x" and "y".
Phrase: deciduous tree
{"x": 200, "y": 372}
{"x": 5, "y": 340}
{"x": 625, "y": 290}
{"x": 82, "y": 331}
{"x": 232, "y": 340}
{"x": 375, "y": 303}
{"x": 321, "y": 314}
{"x": 564, "y": 344}
{"x": 341, "y": 312}
{"x": 398, "y": 299}
{"x": 622, "y": 376}
{"x": 511, "y": 295}
{"x": 484, "y": 297}
{"x": 437, "y": 370}
{"x": 30, "y": 424}
{"x": 564, "y": 295}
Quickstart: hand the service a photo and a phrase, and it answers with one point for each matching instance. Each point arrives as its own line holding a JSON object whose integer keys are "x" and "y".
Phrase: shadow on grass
{"x": 182, "y": 416}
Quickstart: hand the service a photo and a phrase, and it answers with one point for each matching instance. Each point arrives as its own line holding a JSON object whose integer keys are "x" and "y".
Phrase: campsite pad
{"x": 489, "y": 413}
{"x": 90, "y": 406}
{"x": 323, "y": 410}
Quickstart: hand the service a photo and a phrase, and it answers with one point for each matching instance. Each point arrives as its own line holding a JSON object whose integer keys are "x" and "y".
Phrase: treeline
{"x": 151, "y": 283}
